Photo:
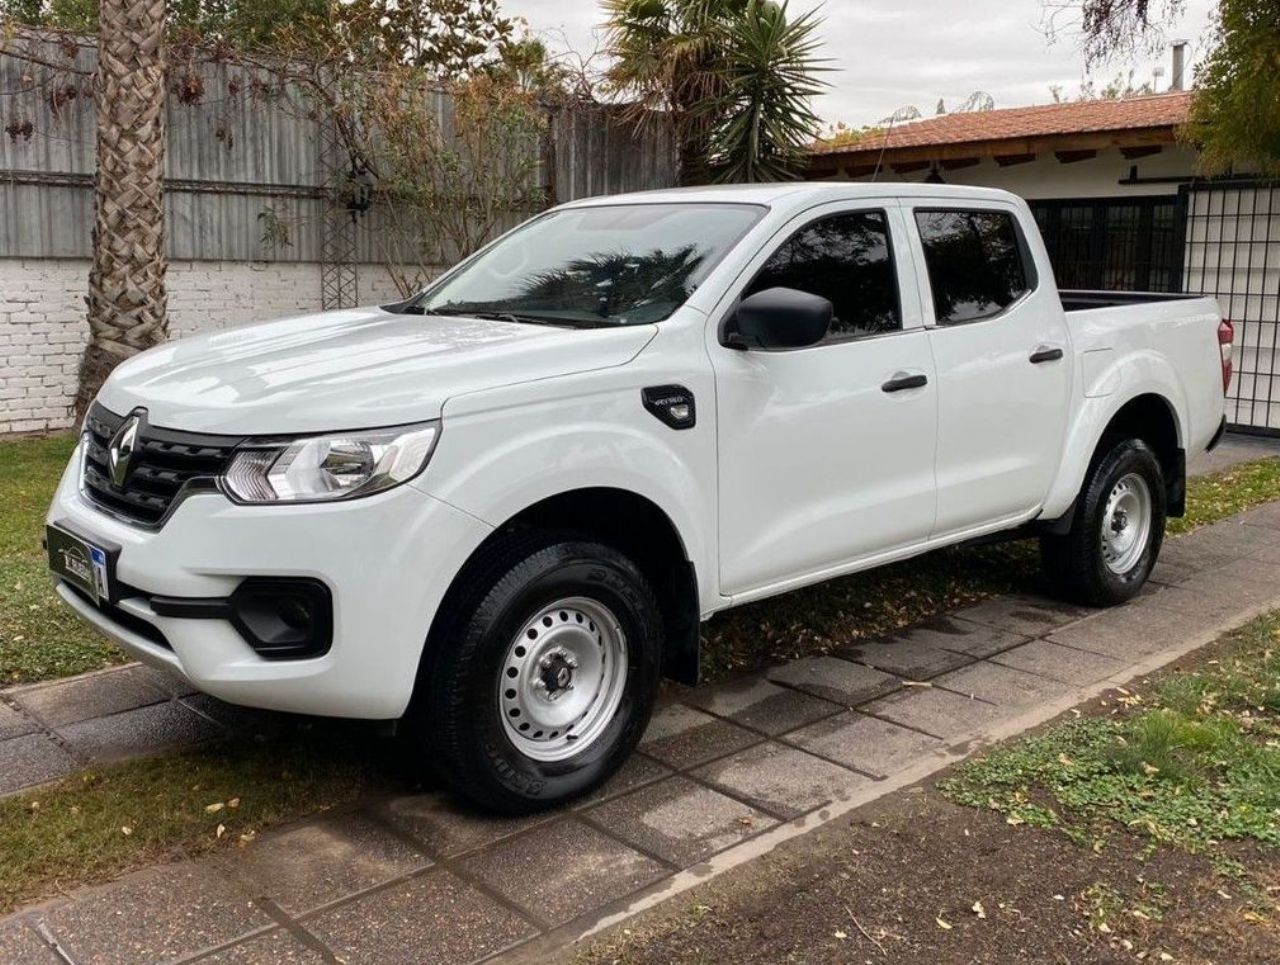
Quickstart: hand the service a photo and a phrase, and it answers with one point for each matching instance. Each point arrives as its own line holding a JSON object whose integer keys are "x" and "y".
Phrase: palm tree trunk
{"x": 127, "y": 299}
{"x": 695, "y": 144}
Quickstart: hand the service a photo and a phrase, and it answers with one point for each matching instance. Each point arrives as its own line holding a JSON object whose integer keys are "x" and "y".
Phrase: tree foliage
{"x": 734, "y": 76}
{"x": 1111, "y": 28}
{"x": 1235, "y": 117}
{"x": 1119, "y": 88}
{"x": 450, "y": 38}
{"x": 446, "y": 184}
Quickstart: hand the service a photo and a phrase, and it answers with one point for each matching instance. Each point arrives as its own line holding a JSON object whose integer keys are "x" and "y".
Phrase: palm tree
{"x": 665, "y": 56}
{"x": 683, "y": 56}
{"x": 127, "y": 298}
{"x": 762, "y": 121}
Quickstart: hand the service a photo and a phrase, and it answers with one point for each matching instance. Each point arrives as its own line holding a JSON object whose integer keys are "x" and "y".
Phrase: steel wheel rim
{"x": 562, "y": 679}
{"x": 1126, "y": 523}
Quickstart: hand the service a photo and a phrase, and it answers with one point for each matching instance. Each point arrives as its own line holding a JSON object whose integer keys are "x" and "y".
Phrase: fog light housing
{"x": 283, "y": 618}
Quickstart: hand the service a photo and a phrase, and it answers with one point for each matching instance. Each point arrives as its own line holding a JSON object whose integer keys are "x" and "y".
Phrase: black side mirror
{"x": 779, "y": 318}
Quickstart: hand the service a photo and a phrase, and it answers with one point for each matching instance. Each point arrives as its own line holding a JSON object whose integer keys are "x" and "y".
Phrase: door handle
{"x": 1045, "y": 353}
{"x": 904, "y": 380}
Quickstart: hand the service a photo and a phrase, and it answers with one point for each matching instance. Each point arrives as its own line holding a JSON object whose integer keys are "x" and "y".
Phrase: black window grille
{"x": 1116, "y": 244}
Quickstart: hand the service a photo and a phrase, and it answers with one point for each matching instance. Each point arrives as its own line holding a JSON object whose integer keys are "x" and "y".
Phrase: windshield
{"x": 598, "y": 266}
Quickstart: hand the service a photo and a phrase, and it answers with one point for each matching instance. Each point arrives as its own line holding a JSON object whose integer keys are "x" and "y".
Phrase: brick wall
{"x": 43, "y": 328}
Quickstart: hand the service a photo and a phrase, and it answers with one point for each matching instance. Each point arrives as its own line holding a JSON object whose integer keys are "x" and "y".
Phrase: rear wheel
{"x": 1116, "y": 530}
{"x": 542, "y": 675}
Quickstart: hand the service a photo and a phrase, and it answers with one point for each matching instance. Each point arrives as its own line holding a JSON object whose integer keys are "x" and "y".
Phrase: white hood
{"x": 349, "y": 369}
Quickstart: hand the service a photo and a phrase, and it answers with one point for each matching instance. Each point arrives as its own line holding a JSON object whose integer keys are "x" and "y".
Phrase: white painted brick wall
{"x": 43, "y": 329}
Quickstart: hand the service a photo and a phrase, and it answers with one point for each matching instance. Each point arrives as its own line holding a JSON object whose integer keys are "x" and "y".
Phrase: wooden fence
{"x": 233, "y": 157}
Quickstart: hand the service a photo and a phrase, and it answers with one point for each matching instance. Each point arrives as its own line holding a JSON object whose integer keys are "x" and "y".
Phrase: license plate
{"x": 85, "y": 565}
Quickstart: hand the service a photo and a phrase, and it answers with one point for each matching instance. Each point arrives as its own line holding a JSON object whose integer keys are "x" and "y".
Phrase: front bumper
{"x": 387, "y": 561}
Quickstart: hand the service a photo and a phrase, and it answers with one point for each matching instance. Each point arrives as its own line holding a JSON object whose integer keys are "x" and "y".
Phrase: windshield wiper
{"x": 518, "y": 317}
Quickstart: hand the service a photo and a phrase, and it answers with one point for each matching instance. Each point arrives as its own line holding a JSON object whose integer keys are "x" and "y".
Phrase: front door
{"x": 826, "y": 452}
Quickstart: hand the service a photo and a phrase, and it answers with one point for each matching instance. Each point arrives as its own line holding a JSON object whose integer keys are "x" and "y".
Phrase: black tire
{"x": 457, "y": 718}
{"x": 1075, "y": 563}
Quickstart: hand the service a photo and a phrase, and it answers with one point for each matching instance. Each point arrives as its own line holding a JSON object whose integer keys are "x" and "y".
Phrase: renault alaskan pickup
{"x": 498, "y": 511}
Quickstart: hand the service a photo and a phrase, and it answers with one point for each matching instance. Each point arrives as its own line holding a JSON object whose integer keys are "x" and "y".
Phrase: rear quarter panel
{"x": 1167, "y": 348}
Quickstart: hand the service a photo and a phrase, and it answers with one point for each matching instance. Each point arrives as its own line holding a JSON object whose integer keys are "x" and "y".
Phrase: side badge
{"x": 672, "y": 404}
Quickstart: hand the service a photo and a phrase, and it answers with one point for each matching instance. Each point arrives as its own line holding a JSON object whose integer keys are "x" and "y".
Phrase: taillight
{"x": 1226, "y": 335}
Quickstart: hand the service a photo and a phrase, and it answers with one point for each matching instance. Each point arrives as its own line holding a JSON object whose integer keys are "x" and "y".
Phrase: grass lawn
{"x": 94, "y": 825}
{"x": 1193, "y": 762}
{"x": 40, "y": 638}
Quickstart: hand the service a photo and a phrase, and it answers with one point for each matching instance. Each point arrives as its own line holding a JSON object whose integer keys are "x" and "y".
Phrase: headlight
{"x": 321, "y": 468}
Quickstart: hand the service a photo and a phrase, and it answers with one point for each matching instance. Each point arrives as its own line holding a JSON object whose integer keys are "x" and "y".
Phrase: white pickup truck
{"x": 499, "y": 510}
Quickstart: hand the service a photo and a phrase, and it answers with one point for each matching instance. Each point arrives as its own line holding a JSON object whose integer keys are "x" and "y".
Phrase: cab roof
{"x": 788, "y": 193}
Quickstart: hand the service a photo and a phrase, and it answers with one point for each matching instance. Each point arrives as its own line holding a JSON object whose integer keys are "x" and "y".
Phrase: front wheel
{"x": 1116, "y": 531}
{"x": 543, "y": 676}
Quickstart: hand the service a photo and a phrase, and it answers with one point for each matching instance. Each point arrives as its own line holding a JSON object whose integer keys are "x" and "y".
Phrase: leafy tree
{"x": 525, "y": 63}
{"x": 243, "y": 23}
{"x": 682, "y": 56}
{"x": 451, "y": 38}
{"x": 1118, "y": 88}
{"x": 1111, "y": 28}
{"x": 446, "y": 187}
{"x": 1235, "y": 116}
{"x": 447, "y": 37}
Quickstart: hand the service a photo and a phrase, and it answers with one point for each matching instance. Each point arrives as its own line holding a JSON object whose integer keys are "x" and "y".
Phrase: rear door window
{"x": 976, "y": 262}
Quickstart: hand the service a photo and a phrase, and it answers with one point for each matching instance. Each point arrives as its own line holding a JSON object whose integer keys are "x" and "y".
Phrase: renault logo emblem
{"x": 120, "y": 453}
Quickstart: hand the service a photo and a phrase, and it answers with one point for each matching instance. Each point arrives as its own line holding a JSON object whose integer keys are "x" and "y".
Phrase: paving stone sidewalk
{"x": 724, "y": 773}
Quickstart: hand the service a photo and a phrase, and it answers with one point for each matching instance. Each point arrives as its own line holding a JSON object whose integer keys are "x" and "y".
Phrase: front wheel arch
{"x": 635, "y": 526}
{"x": 456, "y": 718}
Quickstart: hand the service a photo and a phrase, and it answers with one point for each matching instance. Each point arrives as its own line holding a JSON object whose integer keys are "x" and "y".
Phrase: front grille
{"x": 164, "y": 463}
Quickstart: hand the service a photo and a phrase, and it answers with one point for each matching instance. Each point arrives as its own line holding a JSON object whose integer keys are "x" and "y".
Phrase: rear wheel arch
{"x": 1153, "y": 419}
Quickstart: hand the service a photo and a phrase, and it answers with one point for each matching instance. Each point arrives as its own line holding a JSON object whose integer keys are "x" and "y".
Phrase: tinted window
{"x": 974, "y": 262}
{"x": 846, "y": 260}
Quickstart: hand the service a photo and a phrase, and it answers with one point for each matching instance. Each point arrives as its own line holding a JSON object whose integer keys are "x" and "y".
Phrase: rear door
{"x": 1003, "y": 357}
{"x": 826, "y": 452}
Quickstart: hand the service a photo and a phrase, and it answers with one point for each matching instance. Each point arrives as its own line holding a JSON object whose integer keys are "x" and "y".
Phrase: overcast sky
{"x": 891, "y": 53}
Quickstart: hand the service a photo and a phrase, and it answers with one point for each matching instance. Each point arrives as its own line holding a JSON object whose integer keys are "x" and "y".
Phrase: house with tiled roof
{"x": 1083, "y": 146}
{"x": 1114, "y": 188}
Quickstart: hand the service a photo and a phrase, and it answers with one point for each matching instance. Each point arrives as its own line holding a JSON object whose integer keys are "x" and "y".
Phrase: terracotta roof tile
{"x": 1155, "y": 110}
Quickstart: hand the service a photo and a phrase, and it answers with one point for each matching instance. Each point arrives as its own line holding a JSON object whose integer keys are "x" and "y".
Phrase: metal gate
{"x": 1116, "y": 244}
{"x": 1232, "y": 250}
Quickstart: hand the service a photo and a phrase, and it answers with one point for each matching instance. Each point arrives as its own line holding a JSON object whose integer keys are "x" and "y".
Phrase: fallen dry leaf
{"x": 945, "y": 926}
